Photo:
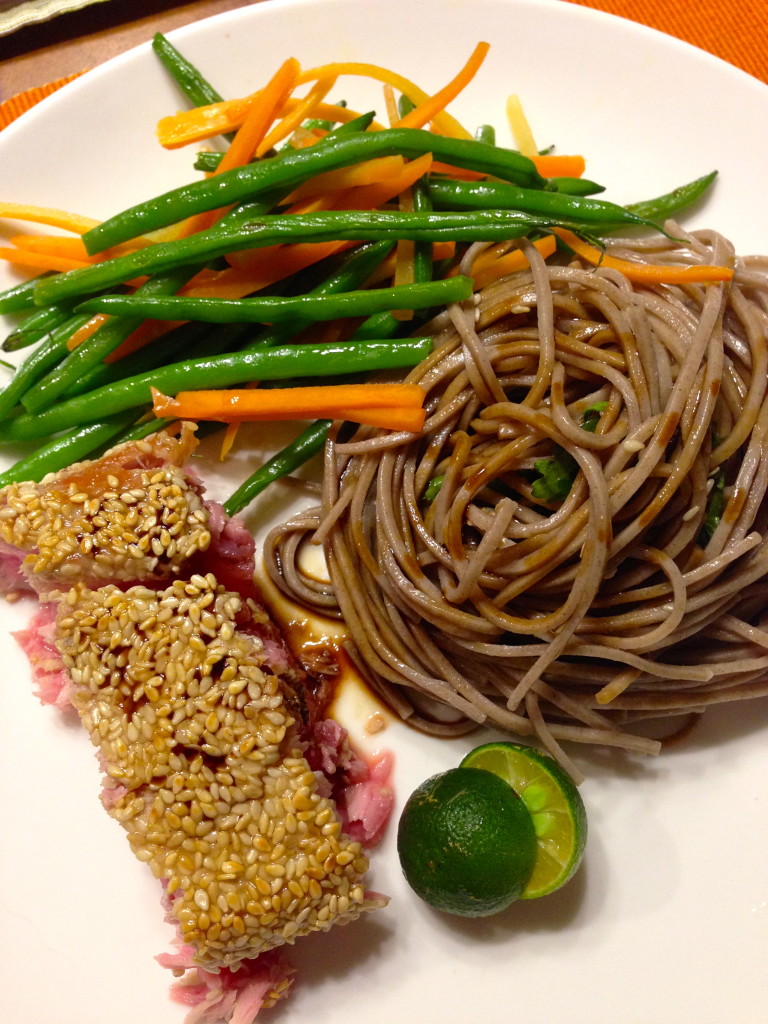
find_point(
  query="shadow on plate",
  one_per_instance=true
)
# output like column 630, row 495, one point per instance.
column 323, row 958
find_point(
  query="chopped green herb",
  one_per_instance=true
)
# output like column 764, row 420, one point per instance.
column 433, row 487
column 556, row 476
column 715, row 507
column 591, row 416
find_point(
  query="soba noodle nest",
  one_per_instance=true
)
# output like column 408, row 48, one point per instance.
column 568, row 618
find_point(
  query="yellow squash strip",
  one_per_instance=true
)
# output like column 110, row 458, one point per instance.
column 442, row 121
column 520, row 128
column 304, row 109
column 47, row 215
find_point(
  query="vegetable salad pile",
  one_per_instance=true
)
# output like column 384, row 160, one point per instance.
column 310, row 252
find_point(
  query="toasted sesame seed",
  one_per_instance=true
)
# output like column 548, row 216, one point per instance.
column 252, row 853
column 83, row 523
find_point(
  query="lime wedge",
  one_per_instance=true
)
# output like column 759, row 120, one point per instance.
column 554, row 802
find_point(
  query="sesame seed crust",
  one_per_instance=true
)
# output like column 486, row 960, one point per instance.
column 208, row 776
column 133, row 514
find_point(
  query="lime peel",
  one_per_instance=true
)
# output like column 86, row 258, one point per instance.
column 466, row 843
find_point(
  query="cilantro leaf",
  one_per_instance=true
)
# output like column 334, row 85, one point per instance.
column 715, row 507
column 433, row 487
column 556, row 475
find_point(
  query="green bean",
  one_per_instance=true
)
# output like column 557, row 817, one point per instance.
column 280, row 363
column 272, row 309
column 20, row 297
column 35, row 326
column 104, row 340
column 188, row 341
column 486, row 133
column 671, row 203
column 62, row 451
column 286, row 461
column 491, row 195
column 422, row 251
column 207, row 160
column 331, row 225
column 37, row 364
column 288, row 171
column 576, row 186
column 197, row 89
column 143, row 427
column 354, row 270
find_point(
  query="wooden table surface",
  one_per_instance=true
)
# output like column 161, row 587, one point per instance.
column 75, row 42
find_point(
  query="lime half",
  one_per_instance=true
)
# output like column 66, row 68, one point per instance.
column 555, row 805
column 466, row 843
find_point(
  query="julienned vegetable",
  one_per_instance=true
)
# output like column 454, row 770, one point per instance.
column 300, row 450
column 285, row 362
column 286, row 172
column 447, row 194
column 274, row 229
column 394, row 406
column 67, row 448
column 272, row 218
column 279, row 310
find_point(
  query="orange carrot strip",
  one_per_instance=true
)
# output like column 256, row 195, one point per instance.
column 206, row 122
column 261, row 114
column 644, row 273
column 73, row 248
column 40, row 260
column 443, row 120
column 89, row 328
column 230, row 435
column 276, row 263
column 53, row 245
column 304, row 108
column 389, row 419
column 486, row 270
column 366, row 173
column 552, row 165
column 464, row 173
column 47, row 215
column 429, row 109
column 286, row 403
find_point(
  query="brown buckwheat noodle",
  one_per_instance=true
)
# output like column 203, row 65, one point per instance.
column 627, row 596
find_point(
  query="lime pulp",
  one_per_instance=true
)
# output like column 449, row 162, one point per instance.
column 555, row 805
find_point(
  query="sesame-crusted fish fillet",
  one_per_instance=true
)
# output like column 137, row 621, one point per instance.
column 207, row 768
column 132, row 514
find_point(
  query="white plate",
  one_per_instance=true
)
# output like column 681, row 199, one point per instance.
column 668, row 920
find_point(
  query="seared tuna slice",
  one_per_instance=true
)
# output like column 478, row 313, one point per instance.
column 131, row 515
column 209, row 778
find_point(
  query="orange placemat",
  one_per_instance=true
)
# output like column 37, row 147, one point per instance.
column 19, row 104
column 735, row 30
